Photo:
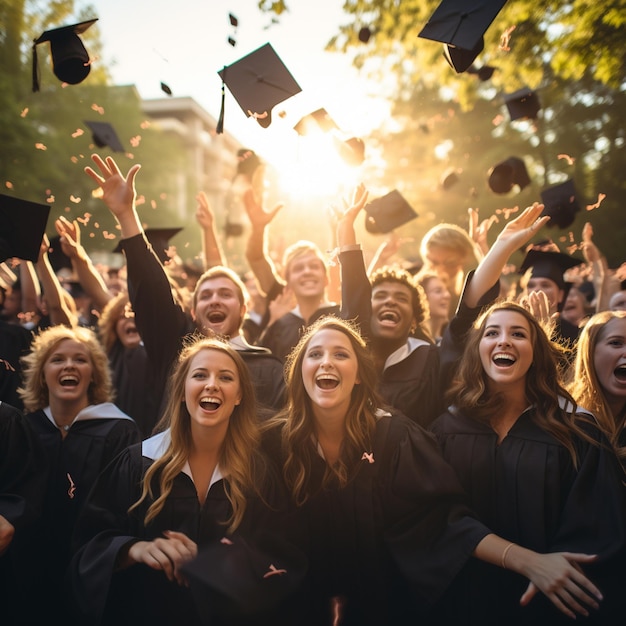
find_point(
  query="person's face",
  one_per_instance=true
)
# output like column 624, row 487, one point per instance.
column 549, row 287
column 618, row 301
column 68, row 372
column 506, row 350
column 218, row 308
column 329, row 371
column 212, row 390
column 609, row 360
column 12, row 303
column 438, row 297
column 126, row 330
column 445, row 261
column 392, row 311
column 573, row 308
column 307, row 276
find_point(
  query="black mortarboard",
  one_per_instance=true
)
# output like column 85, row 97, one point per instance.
column 104, row 134
column 259, row 81
column 233, row 20
column 522, row 104
column 364, row 34
column 317, row 120
column 165, row 88
column 388, row 212
column 159, row 239
column 560, row 204
column 551, row 265
column 449, row 178
column 504, row 175
column 240, row 577
column 22, row 227
column 351, row 150
column 460, row 25
column 70, row 59
column 484, row 73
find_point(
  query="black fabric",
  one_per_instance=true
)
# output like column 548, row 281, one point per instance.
column 390, row 541
column 527, row 490
column 15, row 343
column 163, row 326
column 139, row 595
column 73, row 464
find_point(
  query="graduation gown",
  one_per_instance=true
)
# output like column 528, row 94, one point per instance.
column 527, row 490
column 140, row 595
column 72, row 464
column 391, row 540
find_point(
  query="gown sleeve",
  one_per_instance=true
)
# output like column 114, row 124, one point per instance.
column 429, row 529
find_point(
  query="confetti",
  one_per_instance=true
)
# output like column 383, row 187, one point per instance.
column 505, row 39
column 97, row 109
column 273, row 572
column 107, row 235
column 8, row 184
column 50, row 199
column 40, row 146
column 153, row 204
column 497, row 120
column 78, row 132
column 74, row 199
column 163, row 195
column 135, row 141
column 570, row 160
column 591, row 207
column 74, row 159
column 24, row 112
column 145, row 124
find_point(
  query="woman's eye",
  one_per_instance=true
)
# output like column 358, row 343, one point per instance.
column 314, row 354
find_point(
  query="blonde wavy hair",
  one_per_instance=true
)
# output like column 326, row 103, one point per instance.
column 115, row 309
column 35, row 392
column 238, row 460
column 297, row 421
column 586, row 387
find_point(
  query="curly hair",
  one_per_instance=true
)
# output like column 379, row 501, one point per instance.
column 586, row 387
column 35, row 392
column 238, row 458
column 115, row 309
column 469, row 390
column 298, row 424
column 419, row 301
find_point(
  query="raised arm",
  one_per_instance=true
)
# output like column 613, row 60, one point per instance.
column 213, row 254
column 90, row 279
column 604, row 286
column 258, row 259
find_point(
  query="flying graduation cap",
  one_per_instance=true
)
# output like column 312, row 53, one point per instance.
column 22, row 227
column 522, row 104
column 483, row 73
column 318, row 120
column 561, row 204
column 387, row 213
column 460, row 26
column 506, row 174
column 70, row 59
column 103, row 134
column 258, row 82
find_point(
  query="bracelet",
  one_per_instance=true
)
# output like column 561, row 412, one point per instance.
column 504, row 553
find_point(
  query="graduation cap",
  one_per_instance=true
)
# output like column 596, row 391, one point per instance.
column 364, row 34
column 551, row 265
column 504, row 175
column 317, row 120
column 560, row 204
column 159, row 239
column 388, row 212
column 522, row 104
column 460, row 26
column 351, row 150
column 165, row 88
column 22, row 227
column 483, row 73
column 104, row 134
column 449, row 178
column 233, row 20
column 70, row 59
column 259, row 81
column 240, row 577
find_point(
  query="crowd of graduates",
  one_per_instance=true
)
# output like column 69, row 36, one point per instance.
column 356, row 442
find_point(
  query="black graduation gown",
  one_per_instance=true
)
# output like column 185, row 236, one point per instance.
column 390, row 541
column 139, row 594
column 527, row 490
column 15, row 341
column 163, row 326
column 97, row 435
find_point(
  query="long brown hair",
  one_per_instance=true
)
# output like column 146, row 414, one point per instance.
column 586, row 387
column 470, row 395
column 238, row 460
column 297, row 418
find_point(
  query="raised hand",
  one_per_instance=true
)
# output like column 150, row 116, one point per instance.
column 204, row 214
column 518, row 231
column 258, row 216
column 69, row 233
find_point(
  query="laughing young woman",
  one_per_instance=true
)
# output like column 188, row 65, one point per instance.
column 383, row 518
column 536, row 472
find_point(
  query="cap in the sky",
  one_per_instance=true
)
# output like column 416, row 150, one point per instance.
column 259, row 81
column 351, row 150
column 22, row 227
column 388, row 212
column 551, row 265
column 317, row 120
column 505, row 175
column 561, row 204
column 70, row 59
column 522, row 104
column 104, row 135
column 483, row 73
column 460, row 25
column 159, row 239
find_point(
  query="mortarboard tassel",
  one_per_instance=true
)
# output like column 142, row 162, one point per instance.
column 35, row 69
column 219, row 129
